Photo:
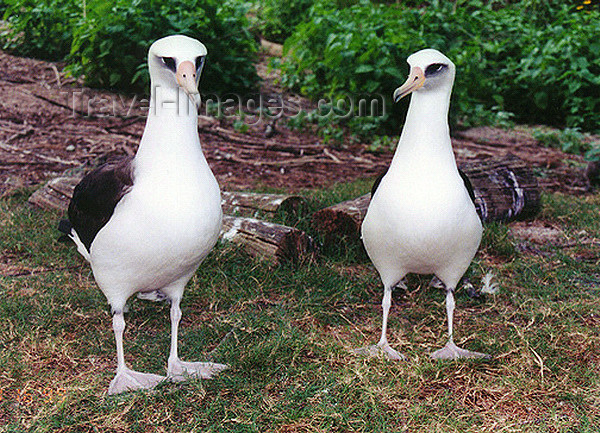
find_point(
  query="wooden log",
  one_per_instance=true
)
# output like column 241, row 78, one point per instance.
column 57, row 193
column 272, row 241
column 342, row 219
column 253, row 204
column 505, row 189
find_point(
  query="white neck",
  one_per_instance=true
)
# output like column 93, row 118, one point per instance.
column 426, row 135
column 172, row 104
column 171, row 132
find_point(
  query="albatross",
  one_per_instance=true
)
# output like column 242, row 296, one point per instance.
column 146, row 223
column 421, row 218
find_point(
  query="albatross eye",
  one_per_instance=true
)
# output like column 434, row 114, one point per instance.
column 435, row 68
column 169, row 62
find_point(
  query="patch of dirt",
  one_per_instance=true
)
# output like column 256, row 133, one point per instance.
column 538, row 232
column 50, row 123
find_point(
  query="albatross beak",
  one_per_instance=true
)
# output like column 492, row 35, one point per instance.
column 186, row 78
column 415, row 81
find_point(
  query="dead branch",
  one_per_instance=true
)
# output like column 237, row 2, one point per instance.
column 52, row 159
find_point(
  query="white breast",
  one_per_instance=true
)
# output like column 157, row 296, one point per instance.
column 421, row 224
column 161, row 230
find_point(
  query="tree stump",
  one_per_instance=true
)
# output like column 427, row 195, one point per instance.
column 272, row 241
column 504, row 189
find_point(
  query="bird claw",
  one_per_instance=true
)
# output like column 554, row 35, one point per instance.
column 452, row 351
column 378, row 350
column 130, row 380
column 180, row 371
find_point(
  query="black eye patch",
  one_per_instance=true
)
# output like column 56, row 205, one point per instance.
column 434, row 68
column 169, row 62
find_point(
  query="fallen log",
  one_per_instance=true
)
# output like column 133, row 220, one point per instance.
column 342, row 219
column 272, row 241
column 57, row 193
column 504, row 189
column 253, row 204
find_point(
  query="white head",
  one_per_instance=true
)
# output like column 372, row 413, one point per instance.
column 430, row 70
column 177, row 61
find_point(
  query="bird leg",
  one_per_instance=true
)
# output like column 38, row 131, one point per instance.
column 179, row 370
column 451, row 350
column 127, row 379
column 383, row 345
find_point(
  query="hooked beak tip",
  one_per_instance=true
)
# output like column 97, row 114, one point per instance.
column 397, row 95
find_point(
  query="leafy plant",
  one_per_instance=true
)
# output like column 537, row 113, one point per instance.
column 39, row 28
column 529, row 61
column 569, row 140
column 593, row 154
column 109, row 47
column 107, row 42
column 277, row 19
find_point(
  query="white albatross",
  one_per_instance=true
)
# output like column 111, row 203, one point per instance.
column 421, row 218
column 146, row 223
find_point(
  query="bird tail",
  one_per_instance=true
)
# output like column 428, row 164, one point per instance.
column 70, row 234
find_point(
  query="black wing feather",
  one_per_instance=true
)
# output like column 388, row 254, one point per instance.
column 95, row 197
column 468, row 185
column 377, row 182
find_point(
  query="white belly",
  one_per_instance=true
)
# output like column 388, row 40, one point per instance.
column 157, row 237
column 433, row 229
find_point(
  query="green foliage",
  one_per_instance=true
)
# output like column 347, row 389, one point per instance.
column 569, row 140
column 39, row 28
column 277, row 19
column 555, row 77
column 110, row 46
column 109, row 43
column 534, row 60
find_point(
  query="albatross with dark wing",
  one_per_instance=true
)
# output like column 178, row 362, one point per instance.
column 146, row 223
column 421, row 218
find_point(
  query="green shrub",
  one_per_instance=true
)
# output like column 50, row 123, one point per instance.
column 277, row 19
column 110, row 46
column 109, row 43
column 39, row 28
column 534, row 60
column 556, row 78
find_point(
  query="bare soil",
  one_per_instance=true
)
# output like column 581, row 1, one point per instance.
column 50, row 123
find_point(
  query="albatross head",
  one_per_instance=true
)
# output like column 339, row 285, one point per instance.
column 177, row 61
column 430, row 70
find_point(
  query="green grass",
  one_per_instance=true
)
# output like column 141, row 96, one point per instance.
column 287, row 333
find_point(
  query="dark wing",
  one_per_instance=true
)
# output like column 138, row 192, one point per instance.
column 95, row 197
column 377, row 182
column 468, row 184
